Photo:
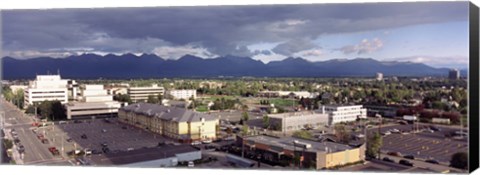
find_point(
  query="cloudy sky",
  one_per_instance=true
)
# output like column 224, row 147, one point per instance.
column 434, row 33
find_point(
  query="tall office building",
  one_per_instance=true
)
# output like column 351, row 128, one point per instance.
column 46, row 87
column 379, row 76
column 454, row 74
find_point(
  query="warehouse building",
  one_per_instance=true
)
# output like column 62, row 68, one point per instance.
column 176, row 123
column 318, row 155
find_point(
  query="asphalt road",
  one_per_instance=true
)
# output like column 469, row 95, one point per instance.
column 35, row 151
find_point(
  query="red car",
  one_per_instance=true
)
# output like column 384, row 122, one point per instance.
column 35, row 124
column 54, row 151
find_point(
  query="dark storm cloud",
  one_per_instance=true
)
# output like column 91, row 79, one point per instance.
column 220, row 30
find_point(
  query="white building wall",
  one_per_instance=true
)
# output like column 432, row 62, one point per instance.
column 338, row 114
column 183, row 94
column 167, row 162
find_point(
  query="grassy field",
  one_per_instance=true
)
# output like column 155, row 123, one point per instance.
column 202, row 108
column 281, row 102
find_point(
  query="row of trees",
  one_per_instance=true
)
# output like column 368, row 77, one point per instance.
column 17, row 97
column 50, row 110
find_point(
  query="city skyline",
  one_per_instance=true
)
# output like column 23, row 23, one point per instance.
column 433, row 33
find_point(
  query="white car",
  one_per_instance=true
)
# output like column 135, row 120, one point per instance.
column 88, row 152
column 395, row 130
column 190, row 164
column 206, row 141
column 196, row 143
column 386, row 133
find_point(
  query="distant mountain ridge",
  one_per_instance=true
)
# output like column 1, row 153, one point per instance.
column 91, row 66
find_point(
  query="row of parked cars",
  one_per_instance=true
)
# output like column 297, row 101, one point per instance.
column 16, row 140
column 406, row 162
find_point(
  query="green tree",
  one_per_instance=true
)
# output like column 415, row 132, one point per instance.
column 459, row 160
column 373, row 145
column 341, row 133
column 245, row 130
column 152, row 99
column 122, row 98
column 7, row 143
column 245, row 116
column 52, row 110
column 266, row 121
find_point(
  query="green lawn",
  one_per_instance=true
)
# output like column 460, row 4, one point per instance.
column 202, row 108
column 282, row 102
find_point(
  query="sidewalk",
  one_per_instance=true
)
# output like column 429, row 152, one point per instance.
column 15, row 154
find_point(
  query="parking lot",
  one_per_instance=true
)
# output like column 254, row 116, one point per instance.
column 423, row 144
column 117, row 136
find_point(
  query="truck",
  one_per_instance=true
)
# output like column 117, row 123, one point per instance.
column 409, row 118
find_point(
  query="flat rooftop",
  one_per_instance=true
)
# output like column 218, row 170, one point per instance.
column 287, row 143
column 296, row 114
column 141, row 155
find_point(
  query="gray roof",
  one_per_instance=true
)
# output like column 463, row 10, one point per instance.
column 167, row 113
column 141, row 155
column 287, row 143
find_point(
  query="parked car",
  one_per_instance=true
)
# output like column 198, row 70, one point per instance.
column 196, row 143
column 77, row 121
column 69, row 140
column 405, row 162
column 435, row 128
column 124, row 127
column 45, row 141
column 104, row 144
column 84, row 136
column 394, row 154
column 207, row 141
column 104, row 130
column 191, row 164
column 88, row 151
column 409, row 157
column 432, row 161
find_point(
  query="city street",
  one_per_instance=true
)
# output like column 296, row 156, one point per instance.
column 35, row 151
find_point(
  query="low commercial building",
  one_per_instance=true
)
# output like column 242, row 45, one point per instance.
column 384, row 111
column 164, row 156
column 292, row 94
column 343, row 113
column 140, row 94
column 318, row 155
column 92, row 101
column 177, row 123
column 294, row 121
column 182, row 94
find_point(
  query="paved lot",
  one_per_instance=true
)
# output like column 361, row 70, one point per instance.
column 115, row 137
column 423, row 145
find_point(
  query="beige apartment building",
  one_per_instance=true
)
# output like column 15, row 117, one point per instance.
column 176, row 123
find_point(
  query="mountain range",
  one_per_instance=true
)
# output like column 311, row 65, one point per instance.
column 92, row 66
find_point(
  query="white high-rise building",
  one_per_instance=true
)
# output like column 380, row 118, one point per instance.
column 141, row 93
column 93, row 101
column 182, row 94
column 343, row 113
column 46, row 87
column 379, row 76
